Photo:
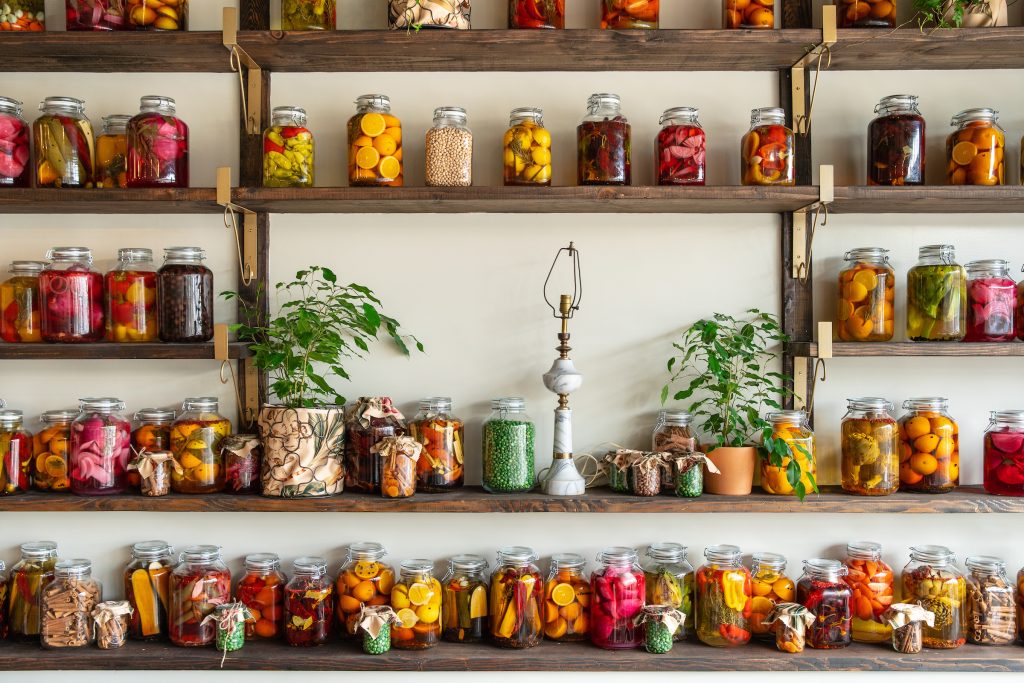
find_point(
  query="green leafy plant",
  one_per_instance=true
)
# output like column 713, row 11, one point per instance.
column 947, row 13
column 320, row 325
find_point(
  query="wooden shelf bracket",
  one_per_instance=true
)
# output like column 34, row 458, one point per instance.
column 250, row 75
column 821, row 56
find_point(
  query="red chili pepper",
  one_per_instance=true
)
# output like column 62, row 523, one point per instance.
column 271, row 146
column 291, row 131
column 532, row 9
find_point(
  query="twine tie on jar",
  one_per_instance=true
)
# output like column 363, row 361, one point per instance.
column 229, row 619
column 108, row 621
column 147, row 464
column 905, row 620
column 376, row 407
column 792, row 622
column 393, row 450
column 373, row 618
column 683, row 463
column 665, row 615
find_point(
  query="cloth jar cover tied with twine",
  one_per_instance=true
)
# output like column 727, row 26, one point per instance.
column 375, row 624
column 398, row 457
column 678, row 465
column 369, row 407
column 229, row 619
column 661, row 622
column 646, row 473
column 110, row 622
column 907, row 622
column 616, row 466
column 791, row 621
column 154, row 469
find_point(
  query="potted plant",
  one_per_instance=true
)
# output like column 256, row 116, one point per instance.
column 320, row 325
column 961, row 13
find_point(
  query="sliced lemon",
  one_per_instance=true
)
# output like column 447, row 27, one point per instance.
column 407, row 618
column 390, row 167
column 420, row 594
column 428, row 614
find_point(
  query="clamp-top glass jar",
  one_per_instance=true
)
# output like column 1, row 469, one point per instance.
column 309, row 15
column 67, row 604
column 449, row 149
column 1004, row 454
column 157, row 15
column 769, row 587
column 896, row 142
column 508, row 447
column 147, row 589
column 32, row 573
column 668, row 579
column 517, row 596
column 96, row 15
column 618, row 591
column 21, row 316
column 199, row 583
column 991, row 601
column 100, row 448
column 527, row 147
column 723, row 598
column 768, row 150
column 536, row 14
column 567, row 598
column 860, row 14
column 749, row 13
column 603, row 143
column 308, row 603
column 371, row 419
column 262, row 591
column 464, row 607
column 825, row 594
column 991, row 301
column 185, row 296
column 195, row 442
column 131, row 297
column 629, row 14
column 288, row 149
column 14, row 150
column 364, row 579
column 157, row 145
column 63, row 149
column 71, row 296
column 681, row 148
column 672, row 435
column 936, row 296
column 931, row 579
column 871, row 581
column 112, row 152
column 976, row 150
column 417, row 599
column 153, row 430
column 440, row 465
column 930, row 446
column 16, row 453
column 867, row 296
column 51, row 451
column 792, row 428
column 375, row 143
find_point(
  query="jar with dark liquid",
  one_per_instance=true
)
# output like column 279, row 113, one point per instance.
column 185, row 296
column 896, row 142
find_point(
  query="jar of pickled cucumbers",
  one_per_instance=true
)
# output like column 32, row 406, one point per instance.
column 262, row 591
column 157, row 145
column 449, row 149
column 32, row 573
column 860, row 14
column 871, row 581
column 1004, row 453
column 308, row 15
column 749, row 14
column 146, row 588
column 929, row 447
column 867, row 295
column 288, row 149
column 991, row 602
column 96, row 15
column 100, row 448
column 629, row 14
column 517, row 595
column 536, row 14
column 16, row 453
column 21, row 316
column 723, row 598
column 63, row 150
column 195, row 442
column 364, row 579
column 668, row 580
column 112, row 152
column 416, row 14
column 791, row 439
column 618, row 591
column 896, row 142
column 508, row 447
column 66, row 605
column 826, row 595
column 416, row 598
column 14, row 153
column 567, row 598
column 991, row 301
column 131, row 297
column 440, row 465
column 768, row 150
column 603, row 143
column 157, row 15
column 71, row 297
column 199, row 584
column 50, row 472
column 870, row 443
column 770, row 586
column 372, row 419
column 308, row 603
column 931, row 579
column 975, row 151
column 375, row 144
column 185, row 296
column 527, row 148
column 464, row 605
column 681, row 148
column 937, row 296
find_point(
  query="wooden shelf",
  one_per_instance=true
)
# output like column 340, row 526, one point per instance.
column 928, row 199
column 150, row 201
column 932, row 49
column 130, row 351
column 113, row 52
column 905, row 349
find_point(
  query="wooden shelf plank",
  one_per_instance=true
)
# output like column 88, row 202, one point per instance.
column 149, row 201
column 130, row 351
column 905, row 349
column 932, row 49
column 121, row 51
column 928, row 199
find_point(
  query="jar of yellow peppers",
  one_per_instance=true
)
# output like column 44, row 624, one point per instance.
column 527, row 148
column 288, row 150
column 791, row 438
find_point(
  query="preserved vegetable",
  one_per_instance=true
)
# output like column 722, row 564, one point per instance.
column 932, row 581
column 825, row 595
column 157, row 145
column 112, row 152
column 199, row 584
column 51, row 470
column 627, row 14
column 71, row 297
column 767, row 151
column 723, row 598
column 308, row 603
column 16, row 449
column 100, row 448
column 1004, row 453
column 936, row 296
column 517, row 595
column 308, row 15
column 63, row 144
column 681, row 148
column 536, row 13
column 29, row 576
column 131, row 297
column 991, row 301
column 464, row 607
column 527, row 148
column 288, row 150
column 14, row 145
column 196, row 437
column 871, row 581
column 896, row 142
column 603, row 142
column 147, row 589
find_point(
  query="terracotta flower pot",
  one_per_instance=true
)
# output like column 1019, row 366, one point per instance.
column 737, row 471
column 302, row 451
column 994, row 14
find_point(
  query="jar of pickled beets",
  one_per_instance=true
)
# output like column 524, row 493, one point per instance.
column 991, row 301
column 71, row 294
column 1004, row 453
column 681, row 148
column 100, row 446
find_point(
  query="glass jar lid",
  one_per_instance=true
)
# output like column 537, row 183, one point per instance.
column 824, row 568
column 869, row 403
column 149, row 550
column 456, row 113
column 864, row 550
column 567, row 561
column 262, row 561
column 511, row 403
column 157, row 103
column 200, row 553
column 155, row 415
column 103, row 404
column 417, row 566
column 75, row 567
column 468, row 563
column 985, row 564
column 722, row 553
column 689, row 113
column 184, row 254
column 978, row 114
column 993, row 267
column 681, row 418
column 773, row 115
column 926, row 403
column 10, row 417
column 516, row 554
column 604, row 99
column 58, row 416
column 31, row 268
column 134, row 254
column 310, row 565
column 772, row 561
column 436, row 404
column 1007, row 416
column 787, row 417
column 289, row 113
column 69, row 254
column 523, row 113
column 62, row 103
column 38, row 550
column 932, row 554
column 10, row 105
column 666, row 552
column 944, row 252
column 207, row 404
column 895, row 103
column 869, row 254
column 617, row 555
column 366, row 550
column 374, row 102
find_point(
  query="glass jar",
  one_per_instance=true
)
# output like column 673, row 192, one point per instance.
column 51, row 451
column 793, row 430
column 24, row 15
column 157, row 15
column 147, row 581
column 185, row 296
column 867, row 296
column 66, row 605
column 20, row 316
column 672, row 435
column 536, row 13
column 449, row 149
column 1019, row 313
column 157, row 145
column 416, row 598
column 768, row 150
column 262, row 591
column 603, row 143
column 112, row 152
column 243, row 455
column 308, row 15
column 825, row 594
column 567, row 598
column 96, row 15
column 508, row 447
column 871, row 581
column 131, row 297
column 375, row 144
column 1020, row 603
column 308, row 603
column 618, row 590
column 63, row 144
column 288, row 148
column 32, row 573
column 932, row 580
column 769, row 587
column 365, row 579
column 991, row 301
column 100, row 448
column 71, row 297
column 199, row 583
column 929, row 447
column 3, row 601
column 1004, row 453
column 896, row 142
column 629, row 14
column 440, row 466
column 412, row 15
column 936, row 296
column 749, row 14
column 668, row 579
column 975, row 151
column 681, row 148
column 153, row 430
column 517, row 596
column 723, row 598
column 196, row 436
column 861, row 14
column 527, row 147
column 464, row 606
column 16, row 453
column 14, row 145
column 371, row 420
column 991, row 603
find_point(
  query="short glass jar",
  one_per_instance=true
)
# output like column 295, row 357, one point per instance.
column 449, row 149
column 465, row 601
column 364, row 579
column 536, row 14
column 681, row 148
column 185, row 296
column 416, row 597
column 366, row 424
column 71, row 297
column 673, row 435
column 527, row 147
column 29, row 576
column 991, row 602
column 871, row 581
column 1004, row 453
column 100, row 448
column 63, row 149
column 517, row 597
column 440, row 465
column 792, row 429
column 375, row 144
column 929, row 446
column 603, row 143
column 288, row 148
column 157, row 145
column 52, row 442
column 97, row 15
column 199, row 583
column 629, row 14
column 112, row 152
column 618, row 589
column 937, row 296
column 152, row 430
column 861, row 14
column 20, row 309
column 131, row 297
column 67, row 604
column 147, row 589
column 749, row 14
column 991, row 301
column 413, row 15
column 196, row 436
column 931, row 579
column 508, row 447
column 723, row 592
column 668, row 581
column 243, row 457
column 16, row 453
column 867, row 296
column 309, row 15
column 308, row 603
column 14, row 145
column 768, row 150
column 769, row 587
column 146, row 15
column 826, row 595
column 976, row 150
column 567, row 598
column 262, row 591
column 896, row 142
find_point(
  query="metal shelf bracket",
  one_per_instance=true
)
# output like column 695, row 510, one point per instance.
column 803, row 230
column 250, row 75
column 247, row 241
column 820, row 56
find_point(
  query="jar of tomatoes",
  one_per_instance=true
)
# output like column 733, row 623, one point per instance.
column 723, row 598
column 618, row 590
column 147, row 588
column 629, row 14
column 100, row 448
column 936, row 296
column 157, row 15
column 95, row 15
column 66, row 605
column 603, row 143
column 20, row 314
column 308, row 603
column 14, row 153
column 185, row 296
column 517, row 594
column 567, row 599
column 931, row 579
column 668, row 581
column 364, row 579
column 861, row 14
column 536, row 13
column 112, row 152
column 929, row 447
column 749, row 13
column 527, row 148
column 199, row 583
column 370, row 420
column 1004, row 453
column 896, row 142
column 681, row 148
column 768, row 150
column 417, row 600
column 976, row 150
column 375, row 143
column 769, row 586
column 871, row 581
column 991, row 601
column 825, row 594
column 867, row 296
column 288, row 148
column 51, row 451
column 791, row 439
column 440, row 466
column 157, row 145
column 991, row 301
column 262, row 591
column 32, row 573
column 71, row 296
column 464, row 604
column 16, row 448
column 63, row 144
column 131, row 297
column 308, row 15
column 196, row 436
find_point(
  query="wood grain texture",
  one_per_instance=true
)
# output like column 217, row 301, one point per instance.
column 254, row 15
column 908, row 349
column 121, row 51
column 148, row 201
column 929, row 199
column 153, row 351
column 929, row 49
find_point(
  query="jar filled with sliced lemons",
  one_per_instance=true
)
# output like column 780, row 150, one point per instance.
column 929, row 446
column 416, row 598
column 867, row 296
column 195, row 443
column 527, row 148
column 364, row 579
column 975, row 151
column 374, row 144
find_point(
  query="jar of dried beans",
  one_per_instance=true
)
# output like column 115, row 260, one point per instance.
column 449, row 149
column 683, row 476
column 603, row 143
column 185, row 296
column 71, row 296
column 67, row 603
column 896, row 142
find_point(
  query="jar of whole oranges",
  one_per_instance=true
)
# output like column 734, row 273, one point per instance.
column 364, row 579
column 867, row 296
column 770, row 586
column 791, row 439
column 749, row 13
column 870, row 446
column 929, row 447
column 374, row 143
column 975, row 151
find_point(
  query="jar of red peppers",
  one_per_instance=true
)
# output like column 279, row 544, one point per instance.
column 536, row 13
column 991, row 301
column 825, row 594
column 867, row 14
column 375, row 144
column 517, row 594
column 929, row 447
column 618, row 592
column 768, row 150
column 976, row 150
column 527, row 146
column 32, row 573
column 1004, row 453
column 147, row 581
column 112, row 152
column 603, row 143
column 157, row 145
column 262, row 591
column 369, row 421
column 364, row 579
column 723, row 598
column 931, row 579
column 63, row 151
column 464, row 605
column 100, row 448
column 288, row 150
column 50, row 472
column 440, row 466
column 20, row 316
column 770, row 586
column 15, row 453
column 629, row 14
column 567, row 597
column 196, row 437
column 242, row 454
column 14, row 145
column 96, row 15
column 681, row 148
column 749, row 13
column 199, row 583
column 416, row 598
column 867, row 295
column 871, row 581
column 131, row 297
column 896, row 142
column 157, row 15
column 185, row 296
column 71, row 296
column 308, row 603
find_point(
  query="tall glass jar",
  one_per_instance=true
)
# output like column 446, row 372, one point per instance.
column 63, row 150
column 860, row 14
column 20, row 314
column 157, row 145
column 410, row 15
column 71, row 297
column 32, row 573
column 417, row 599
column 185, row 296
column 527, row 146
column 749, row 13
column 262, row 591
column 288, row 148
column 931, row 579
column 976, row 150
column 794, row 431
column 681, row 148
column 195, row 442
column 16, row 453
column 936, row 296
column 825, row 594
column 929, row 447
column 896, row 142
column 723, row 598
column 618, row 591
column 371, row 420
column 629, row 14
column 517, row 597
column 364, row 579
column 14, row 145
column 112, row 152
column 199, row 583
column 50, row 472
column 440, row 466
column 449, row 149
column 157, row 15
column 1004, row 453
column 100, row 448
column 672, row 433
column 131, row 297
column 991, row 301
column 96, row 15
column 603, row 143
column 375, row 144
column 536, row 13
column 867, row 296
column 769, row 587
column 991, row 602
column 871, row 581
column 147, row 580
column 508, row 447
column 668, row 579
column 768, row 150
column 464, row 605
column 1020, row 603
column 67, row 604
column 567, row 597
column 308, row 603
column 309, row 15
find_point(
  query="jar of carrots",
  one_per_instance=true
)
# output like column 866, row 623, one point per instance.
column 871, row 581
